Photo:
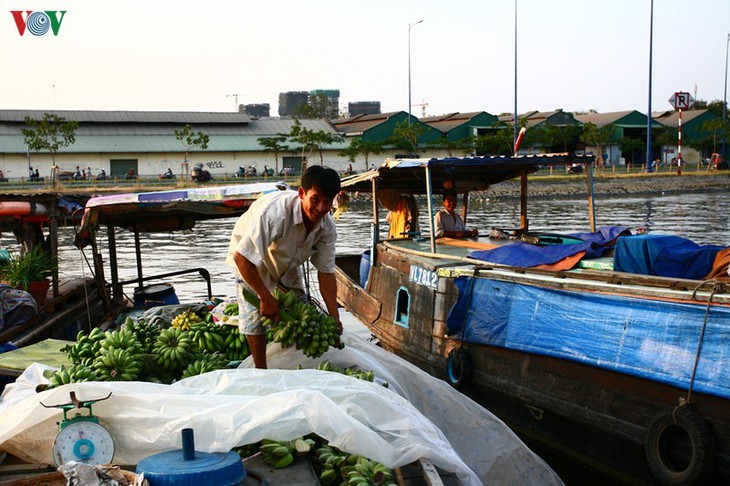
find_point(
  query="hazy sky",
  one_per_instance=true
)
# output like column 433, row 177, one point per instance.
column 191, row 55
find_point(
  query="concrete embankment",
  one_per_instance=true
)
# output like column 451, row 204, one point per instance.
column 614, row 185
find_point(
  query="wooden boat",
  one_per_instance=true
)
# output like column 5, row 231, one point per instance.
column 158, row 211
column 65, row 305
column 625, row 372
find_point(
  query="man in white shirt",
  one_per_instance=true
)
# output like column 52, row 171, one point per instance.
column 279, row 232
column 448, row 223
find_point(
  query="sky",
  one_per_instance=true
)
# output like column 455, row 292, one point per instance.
column 183, row 55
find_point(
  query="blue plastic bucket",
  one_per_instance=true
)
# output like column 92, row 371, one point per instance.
column 364, row 268
column 154, row 295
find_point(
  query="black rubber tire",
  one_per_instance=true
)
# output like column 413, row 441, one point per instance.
column 681, row 447
column 459, row 367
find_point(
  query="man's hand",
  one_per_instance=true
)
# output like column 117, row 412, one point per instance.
column 269, row 307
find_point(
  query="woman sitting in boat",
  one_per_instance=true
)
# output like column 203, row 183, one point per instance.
column 403, row 215
column 448, row 223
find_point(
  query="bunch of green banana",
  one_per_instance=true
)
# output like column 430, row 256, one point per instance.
column 276, row 453
column 118, row 364
column 328, row 456
column 174, row 349
column 185, row 319
column 366, row 472
column 236, row 346
column 72, row 374
column 231, row 309
column 122, row 339
column 354, row 372
column 86, row 347
column 146, row 333
column 204, row 363
column 303, row 326
column 208, row 337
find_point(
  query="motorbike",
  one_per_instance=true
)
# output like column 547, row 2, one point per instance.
column 167, row 175
column 198, row 174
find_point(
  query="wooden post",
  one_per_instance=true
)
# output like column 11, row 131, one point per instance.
column 524, row 222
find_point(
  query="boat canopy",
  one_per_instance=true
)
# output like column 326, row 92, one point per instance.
column 161, row 210
column 457, row 174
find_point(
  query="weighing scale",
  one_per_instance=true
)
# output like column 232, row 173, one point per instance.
column 81, row 438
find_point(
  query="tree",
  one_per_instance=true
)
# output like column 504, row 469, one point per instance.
column 191, row 139
column 598, row 137
column 274, row 145
column 311, row 140
column 713, row 128
column 359, row 146
column 50, row 133
column 562, row 136
column 405, row 136
column 465, row 144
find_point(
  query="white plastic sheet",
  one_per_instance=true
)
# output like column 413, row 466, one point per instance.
column 234, row 407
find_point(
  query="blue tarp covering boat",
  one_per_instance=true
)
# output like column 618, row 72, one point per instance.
column 652, row 339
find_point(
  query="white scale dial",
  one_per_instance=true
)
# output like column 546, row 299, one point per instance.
column 83, row 441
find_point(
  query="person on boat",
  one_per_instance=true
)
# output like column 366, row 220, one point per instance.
column 278, row 233
column 403, row 215
column 448, row 223
column 16, row 307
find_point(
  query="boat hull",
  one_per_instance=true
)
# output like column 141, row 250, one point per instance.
column 601, row 417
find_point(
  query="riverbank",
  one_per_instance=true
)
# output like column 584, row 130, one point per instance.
column 614, row 185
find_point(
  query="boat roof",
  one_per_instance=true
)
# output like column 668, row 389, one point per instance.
column 141, row 210
column 460, row 174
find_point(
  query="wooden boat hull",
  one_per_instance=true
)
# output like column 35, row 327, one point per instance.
column 600, row 417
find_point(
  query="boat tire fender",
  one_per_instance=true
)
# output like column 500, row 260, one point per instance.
column 459, row 367
column 683, row 423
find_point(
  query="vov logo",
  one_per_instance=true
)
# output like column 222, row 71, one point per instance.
column 39, row 22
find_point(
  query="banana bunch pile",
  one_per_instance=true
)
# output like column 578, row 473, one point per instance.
column 231, row 309
column 145, row 352
column 184, row 320
column 350, row 469
column 303, row 326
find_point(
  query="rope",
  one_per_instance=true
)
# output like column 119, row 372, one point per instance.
column 84, row 258
column 716, row 286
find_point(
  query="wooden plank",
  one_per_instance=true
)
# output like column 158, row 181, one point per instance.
column 430, row 474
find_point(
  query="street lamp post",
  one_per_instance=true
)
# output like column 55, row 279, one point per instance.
column 724, row 104
column 410, row 26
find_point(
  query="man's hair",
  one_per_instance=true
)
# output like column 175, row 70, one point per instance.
column 323, row 178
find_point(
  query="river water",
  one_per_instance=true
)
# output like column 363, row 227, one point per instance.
column 703, row 218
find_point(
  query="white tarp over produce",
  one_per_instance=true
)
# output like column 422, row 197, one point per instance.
column 229, row 408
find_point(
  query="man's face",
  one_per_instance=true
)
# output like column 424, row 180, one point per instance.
column 450, row 203
column 315, row 205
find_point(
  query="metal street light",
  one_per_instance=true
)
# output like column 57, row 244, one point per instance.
column 724, row 104
column 410, row 26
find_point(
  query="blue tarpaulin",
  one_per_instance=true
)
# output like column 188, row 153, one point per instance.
column 664, row 255
column 521, row 254
column 647, row 338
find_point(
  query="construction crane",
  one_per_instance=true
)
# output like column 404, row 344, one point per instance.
column 235, row 98
column 423, row 106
